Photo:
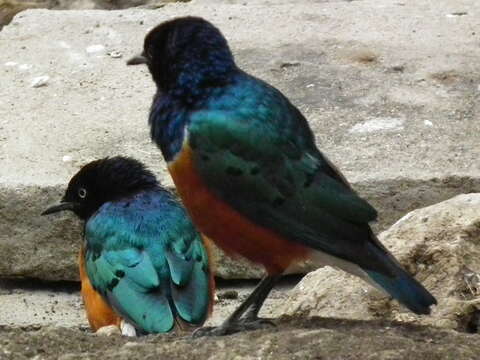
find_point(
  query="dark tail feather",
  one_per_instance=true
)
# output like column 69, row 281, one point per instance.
column 398, row 283
column 404, row 288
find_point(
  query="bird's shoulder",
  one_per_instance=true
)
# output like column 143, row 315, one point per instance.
column 138, row 221
column 251, row 114
column 248, row 97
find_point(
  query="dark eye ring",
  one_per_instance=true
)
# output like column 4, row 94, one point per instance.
column 82, row 193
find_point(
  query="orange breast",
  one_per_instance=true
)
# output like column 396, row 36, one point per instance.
column 230, row 230
column 99, row 313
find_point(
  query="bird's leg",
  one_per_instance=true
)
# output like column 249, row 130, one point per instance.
column 255, row 299
column 251, row 315
column 235, row 322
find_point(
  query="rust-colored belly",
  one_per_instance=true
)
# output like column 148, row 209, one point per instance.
column 99, row 313
column 230, row 230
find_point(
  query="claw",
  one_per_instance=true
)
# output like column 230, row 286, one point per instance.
column 234, row 327
column 210, row 331
column 257, row 323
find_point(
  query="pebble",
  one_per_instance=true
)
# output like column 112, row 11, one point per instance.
column 95, row 49
column 115, row 54
column 228, row 294
column 398, row 68
column 457, row 13
column 64, row 45
column 109, row 330
column 287, row 64
column 24, row 67
column 10, row 63
column 378, row 124
column 40, row 81
column 66, row 158
column 131, row 344
column 428, row 123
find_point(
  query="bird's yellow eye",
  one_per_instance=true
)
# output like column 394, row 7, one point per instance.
column 82, row 193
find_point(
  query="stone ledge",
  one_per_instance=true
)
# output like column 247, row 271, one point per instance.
column 33, row 246
column 392, row 99
column 311, row 338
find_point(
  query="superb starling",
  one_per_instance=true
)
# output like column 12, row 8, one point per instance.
column 245, row 163
column 143, row 265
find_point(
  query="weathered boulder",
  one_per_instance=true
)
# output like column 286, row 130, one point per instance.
column 439, row 244
column 392, row 98
column 31, row 247
column 9, row 8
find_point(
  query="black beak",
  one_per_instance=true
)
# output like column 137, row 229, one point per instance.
column 60, row 207
column 138, row 59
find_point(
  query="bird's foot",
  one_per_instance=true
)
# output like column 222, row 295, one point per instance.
column 229, row 328
column 259, row 323
column 127, row 329
column 211, row 331
column 109, row 330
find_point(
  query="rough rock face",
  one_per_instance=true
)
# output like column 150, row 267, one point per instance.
column 439, row 244
column 9, row 8
column 291, row 340
column 392, row 99
column 52, row 249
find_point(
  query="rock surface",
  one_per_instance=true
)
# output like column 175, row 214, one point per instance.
column 9, row 8
column 439, row 244
column 58, row 304
column 391, row 90
column 291, row 340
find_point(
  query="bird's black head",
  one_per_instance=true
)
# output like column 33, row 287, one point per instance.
column 185, row 54
column 101, row 181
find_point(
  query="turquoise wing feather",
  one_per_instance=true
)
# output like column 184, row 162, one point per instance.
column 147, row 260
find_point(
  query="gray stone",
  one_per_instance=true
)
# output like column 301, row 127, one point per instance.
column 30, row 246
column 227, row 267
column 31, row 303
column 439, row 244
column 59, row 304
column 406, row 76
column 294, row 339
column 9, row 8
